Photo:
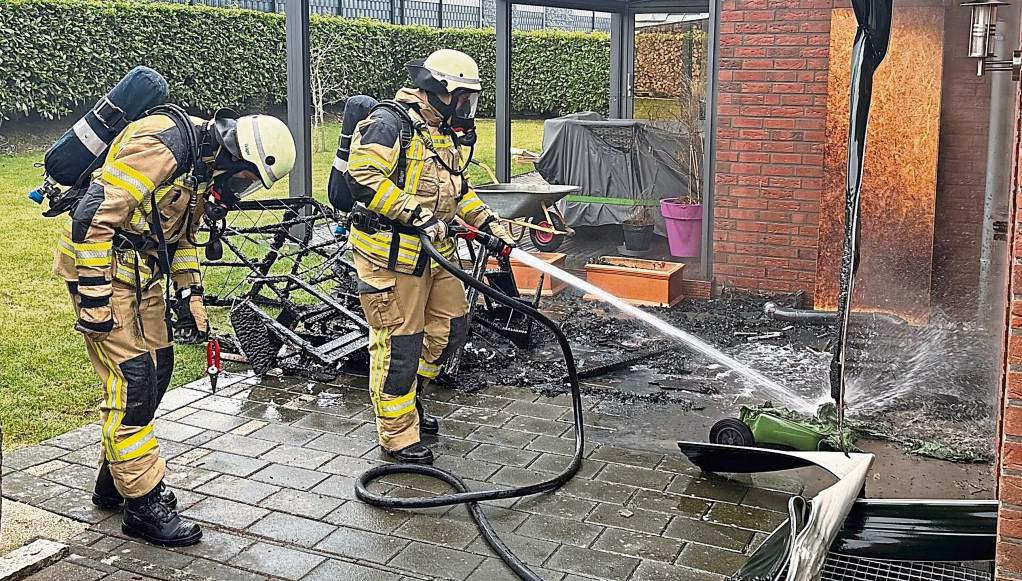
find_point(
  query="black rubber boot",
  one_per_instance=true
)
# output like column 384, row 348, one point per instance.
column 427, row 424
column 105, row 494
column 414, row 454
column 149, row 519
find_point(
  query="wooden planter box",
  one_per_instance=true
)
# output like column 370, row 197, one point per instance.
column 647, row 283
column 527, row 277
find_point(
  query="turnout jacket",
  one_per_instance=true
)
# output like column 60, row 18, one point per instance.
column 428, row 188
column 142, row 161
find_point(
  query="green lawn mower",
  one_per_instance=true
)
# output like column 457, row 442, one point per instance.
column 771, row 427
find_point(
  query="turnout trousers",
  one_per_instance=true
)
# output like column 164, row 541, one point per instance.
column 134, row 364
column 416, row 324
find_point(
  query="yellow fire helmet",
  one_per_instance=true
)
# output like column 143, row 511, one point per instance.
column 266, row 142
column 452, row 69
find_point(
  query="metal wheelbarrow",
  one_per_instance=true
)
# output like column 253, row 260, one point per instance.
column 530, row 207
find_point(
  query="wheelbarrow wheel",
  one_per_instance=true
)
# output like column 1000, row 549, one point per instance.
column 732, row 432
column 545, row 241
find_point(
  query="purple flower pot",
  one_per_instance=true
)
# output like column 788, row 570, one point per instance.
column 684, row 224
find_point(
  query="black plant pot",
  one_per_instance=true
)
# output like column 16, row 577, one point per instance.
column 638, row 237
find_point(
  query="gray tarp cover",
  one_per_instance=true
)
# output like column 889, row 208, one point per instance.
column 618, row 161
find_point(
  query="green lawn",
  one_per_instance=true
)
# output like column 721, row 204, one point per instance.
column 47, row 385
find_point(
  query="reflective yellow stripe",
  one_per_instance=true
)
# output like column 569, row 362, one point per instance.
column 415, row 165
column 428, row 370
column 364, row 162
column 386, row 194
column 367, row 156
column 381, row 247
column 65, row 245
column 442, row 141
column 185, row 259
column 137, row 444
column 94, row 254
column 113, row 394
column 468, row 204
column 114, row 179
column 380, row 341
column 397, row 407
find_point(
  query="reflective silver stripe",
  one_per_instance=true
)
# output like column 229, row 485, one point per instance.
column 142, row 189
column 259, row 149
column 149, row 437
column 88, row 137
column 340, row 165
column 93, row 253
column 453, row 77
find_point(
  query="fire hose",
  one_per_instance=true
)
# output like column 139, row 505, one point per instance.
column 462, row 494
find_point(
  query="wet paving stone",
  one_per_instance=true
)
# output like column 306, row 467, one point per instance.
column 592, row 563
column 563, row 446
column 237, row 489
column 437, row 562
column 241, row 445
column 634, row 519
column 343, row 445
column 90, row 455
column 556, row 505
column 549, row 428
column 626, row 456
column 485, row 417
column 535, row 552
column 360, row 515
column 698, row 531
column 672, row 504
column 496, row 570
column 327, row 423
column 306, row 504
column 560, row 530
column 510, row 438
column 265, row 412
column 767, row 499
column 444, row 531
column 32, row 456
column 187, row 477
column 342, row 487
column 228, row 463
column 343, row 571
column 502, row 455
column 358, row 544
column 654, row 571
column 597, row 491
column 634, row 476
column 290, row 529
column 711, row 559
column 711, row 488
column 66, row 571
column 213, row 420
column 228, row 513
column 176, row 431
column 448, row 445
column 74, row 476
column 285, row 434
column 350, row 467
column 512, row 476
column 289, row 476
column 746, row 517
column 639, row 545
column 535, row 410
column 450, row 429
column 298, row 457
column 278, row 561
column 678, row 464
column 217, row 545
column 513, row 392
column 202, row 438
column 555, row 463
column 218, row 571
column 466, row 468
column 180, row 397
column 76, row 505
column 152, row 554
column 23, row 487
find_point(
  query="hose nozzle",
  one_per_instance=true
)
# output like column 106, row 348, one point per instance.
column 495, row 245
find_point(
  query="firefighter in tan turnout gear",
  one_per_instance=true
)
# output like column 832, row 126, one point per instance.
column 405, row 170
column 116, row 256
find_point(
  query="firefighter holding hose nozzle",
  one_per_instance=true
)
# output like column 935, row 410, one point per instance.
column 132, row 236
column 407, row 173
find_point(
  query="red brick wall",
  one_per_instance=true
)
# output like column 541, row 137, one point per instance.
column 961, row 171
column 770, row 138
column 1009, row 469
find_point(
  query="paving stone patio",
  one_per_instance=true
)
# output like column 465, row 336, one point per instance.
column 267, row 465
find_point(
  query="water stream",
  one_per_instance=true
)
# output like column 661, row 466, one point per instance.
column 771, row 390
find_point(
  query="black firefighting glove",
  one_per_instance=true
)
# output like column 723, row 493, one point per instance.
column 95, row 322
column 191, row 323
column 493, row 225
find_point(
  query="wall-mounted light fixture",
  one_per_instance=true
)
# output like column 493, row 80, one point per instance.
column 981, row 37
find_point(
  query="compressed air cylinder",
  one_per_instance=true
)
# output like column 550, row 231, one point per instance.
column 356, row 109
column 76, row 150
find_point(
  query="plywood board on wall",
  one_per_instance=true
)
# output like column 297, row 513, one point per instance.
column 900, row 178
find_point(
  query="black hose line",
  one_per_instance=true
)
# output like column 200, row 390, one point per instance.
column 463, row 495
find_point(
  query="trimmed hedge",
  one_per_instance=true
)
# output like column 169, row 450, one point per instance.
column 57, row 55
